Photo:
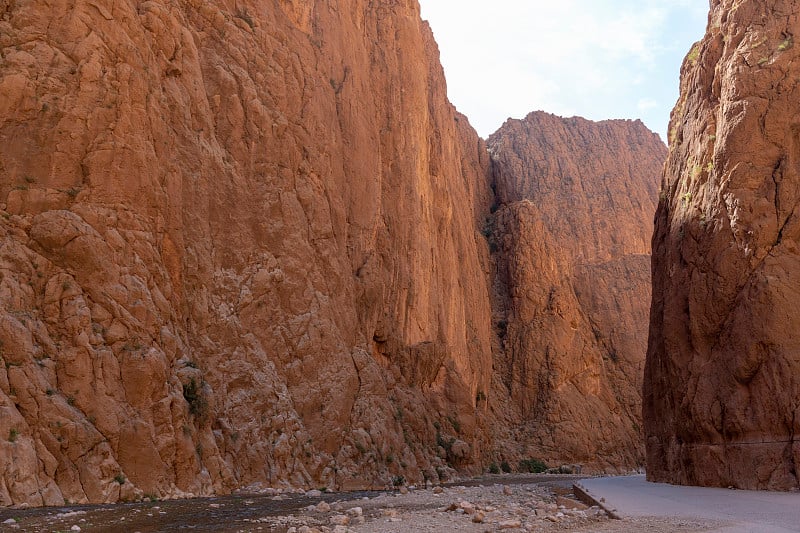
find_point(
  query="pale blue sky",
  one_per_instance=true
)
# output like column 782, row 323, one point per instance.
column 594, row 58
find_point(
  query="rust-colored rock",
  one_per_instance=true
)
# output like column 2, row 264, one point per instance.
column 242, row 246
column 722, row 380
column 238, row 245
column 572, row 240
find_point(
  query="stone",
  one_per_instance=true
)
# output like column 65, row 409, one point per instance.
column 355, row 511
column 210, row 211
column 323, row 507
column 340, row 520
column 467, row 507
column 438, row 490
column 722, row 376
column 510, row 524
column 571, row 234
column 314, row 493
column 479, row 517
column 507, row 490
column 163, row 260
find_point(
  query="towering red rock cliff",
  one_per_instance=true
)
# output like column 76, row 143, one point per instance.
column 722, row 380
column 239, row 243
column 572, row 292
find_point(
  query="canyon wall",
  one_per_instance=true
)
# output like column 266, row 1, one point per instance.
column 571, row 234
column 722, row 379
column 240, row 242
column 251, row 243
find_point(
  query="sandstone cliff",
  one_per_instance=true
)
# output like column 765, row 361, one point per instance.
column 239, row 243
column 572, row 287
column 722, row 381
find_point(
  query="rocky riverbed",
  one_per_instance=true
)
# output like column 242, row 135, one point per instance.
column 491, row 504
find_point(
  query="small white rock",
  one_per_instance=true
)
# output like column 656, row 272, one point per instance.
column 75, row 528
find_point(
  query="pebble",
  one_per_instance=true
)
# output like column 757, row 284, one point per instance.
column 438, row 490
column 478, row 517
column 510, row 524
column 323, row 507
column 355, row 511
column 75, row 528
column 507, row 490
column 340, row 520
column 10, row 521
column 314, row 493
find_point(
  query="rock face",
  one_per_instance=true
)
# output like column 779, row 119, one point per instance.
column 245, row 246
column 722, row 381
column 571, row 235
column 237, row 245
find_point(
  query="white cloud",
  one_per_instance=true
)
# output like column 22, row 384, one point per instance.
column 645, row 104
column 597, row 58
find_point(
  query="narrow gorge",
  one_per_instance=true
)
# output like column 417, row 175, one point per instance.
column 253, row 244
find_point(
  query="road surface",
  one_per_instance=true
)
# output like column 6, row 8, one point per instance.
column 744, row 511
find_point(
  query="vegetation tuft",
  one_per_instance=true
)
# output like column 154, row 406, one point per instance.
column 533, row 466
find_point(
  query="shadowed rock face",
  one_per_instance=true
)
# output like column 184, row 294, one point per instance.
column 722, row 380
column 236, row 245
column 572, row 241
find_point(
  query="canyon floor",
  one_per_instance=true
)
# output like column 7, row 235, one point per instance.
column 488, row 504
